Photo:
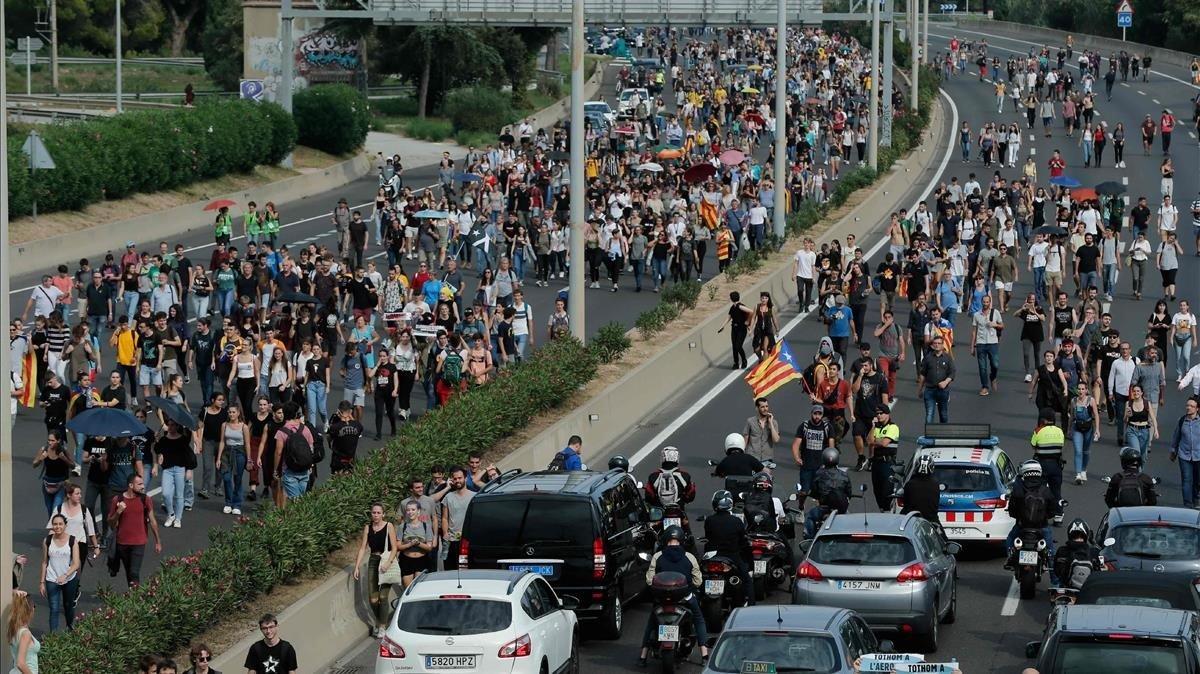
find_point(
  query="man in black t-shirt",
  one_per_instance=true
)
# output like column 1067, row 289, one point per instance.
column 1139, row 216
column 344, row 433
column 113, row 395
column 201, row 348
column 94, row 450
column 1087, row 265
column 272, row 655
column 54, row 398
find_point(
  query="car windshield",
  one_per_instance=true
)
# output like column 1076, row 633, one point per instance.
column 1121, row 600
column 1153, row 541
column 963, row 479
column 530, row 521
column 1112, row 657
column 862, row 550
column 790, row 652
column 453, row 617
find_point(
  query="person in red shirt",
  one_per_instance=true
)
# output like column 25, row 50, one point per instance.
column 1148, row 128
column 131, row 514
column 1057, row 164
column 1166, row 124
column 419, row 279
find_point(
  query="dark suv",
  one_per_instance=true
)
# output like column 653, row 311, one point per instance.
column 1118, row 639
column 585, row 531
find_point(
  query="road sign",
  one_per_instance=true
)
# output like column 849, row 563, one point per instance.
column 29, row 43
column 252, row 89
column 1125, row 7
column 22, row 58
column 35, row 149
column 1124, row 20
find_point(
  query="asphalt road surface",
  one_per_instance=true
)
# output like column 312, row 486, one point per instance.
column 993, row 624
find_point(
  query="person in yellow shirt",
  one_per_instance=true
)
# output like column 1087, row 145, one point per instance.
column 124, row 340
column 591, row 168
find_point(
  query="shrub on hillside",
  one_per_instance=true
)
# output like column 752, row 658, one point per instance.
column 331, row 117
column 478, row 109
column 283, row 132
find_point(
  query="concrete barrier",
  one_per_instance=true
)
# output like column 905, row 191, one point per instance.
column 1055, row 38
column 44, row 254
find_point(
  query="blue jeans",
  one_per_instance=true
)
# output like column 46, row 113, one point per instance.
column 1089, row 279
column 96, row 325
column 224, row 301
column 206, row 376
column 317, row 398
column 131, row 305
column 1183, row 356
column 1087, row 153
column 1083, row 447
column 62, row 599
column 231, row 474
column 174, row 488
column 939, row 399
column 522, row 345
column 659, row 270
column 638, row 265
column 53, row 500
column 1110, row 275
column 1139, row 439
column 966, row 151
column 1189, row 478
column 518, row 261
column 988, row 357
column 294, row 484
column 1039, row 282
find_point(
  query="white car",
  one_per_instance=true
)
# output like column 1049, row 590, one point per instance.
column 487, row 621
column 601, row 108
column 625, row 102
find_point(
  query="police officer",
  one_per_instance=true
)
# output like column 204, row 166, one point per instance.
column 922, row 494
column 831, row 489
column 673, row 557
column 1032, row 485
column 884, row 440
column 1079, row 547
column 737, row 461
column 725, row 534
column 813, row 436
column 1047, row 442
column 1130, row 487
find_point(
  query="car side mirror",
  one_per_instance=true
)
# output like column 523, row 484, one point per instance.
column 805, row 546
column 953, row 548
column 886, row 646
column 1109, row 542
column 568, row 602
column 1032, row 649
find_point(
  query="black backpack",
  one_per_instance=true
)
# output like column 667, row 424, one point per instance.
column 1034, row 509
column 559, row 462
column 758, row 503
column 298, row 453
column 1129, row 492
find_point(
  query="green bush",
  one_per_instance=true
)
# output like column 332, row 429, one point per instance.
column 478, row 109
column 331, row 117
column 192, row 593
column 399, row 106
column 148, row 151
column 435, row 130
column 684, row 295
column 610, row 342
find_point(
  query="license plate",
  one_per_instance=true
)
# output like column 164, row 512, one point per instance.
column 957, row 531
column 449, row 662
column 669, row 522
column 1028, row 557
column 714, row 587
column 668, row 632
column 542, row 569
column 760, row 567
column 860, row 585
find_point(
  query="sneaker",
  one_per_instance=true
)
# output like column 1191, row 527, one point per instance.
column 202, row 495
column 187, row 508
column 1078, row 478
column 178, row 524
column 562, row 274
column 187, row 379
column 251, row 495
column 862, row 461
column 133, row 402
column 226, row 510
column 1083, row 476
column 77, row 470
column 237, row 511
column 1028, row 378
column 170, row 522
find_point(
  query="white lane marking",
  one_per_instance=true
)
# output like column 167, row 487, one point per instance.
column 1012, row 599
column 1141, row 92
column 1156, row 101
column 1125, row 84
column 1124, row 180
column 1032, row 151
column 710, row 395
column 1032, row 137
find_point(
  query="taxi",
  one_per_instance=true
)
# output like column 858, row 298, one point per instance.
column 976, row 478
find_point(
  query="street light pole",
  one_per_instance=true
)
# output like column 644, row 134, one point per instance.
column 873, row 99
column 575, row 309
column 6, row 364
column 885, row 85
column 120, row 107
column 925, row 34
column 914, row 47
column 780, row 214
column 285, row 65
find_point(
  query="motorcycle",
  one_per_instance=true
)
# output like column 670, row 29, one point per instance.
column 770, row 568
column 675, row 633
column 722, row 589
column 1031, row 558
column 664, row 518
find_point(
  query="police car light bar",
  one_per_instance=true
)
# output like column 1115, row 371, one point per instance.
column 956, row 435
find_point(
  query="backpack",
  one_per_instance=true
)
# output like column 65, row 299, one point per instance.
column 668, row 486
column 1130, row 493
column 452, row 367
column 559, row 462
column 559, row 327
column 758, row 503
column 298, row 453
column 1033, row 508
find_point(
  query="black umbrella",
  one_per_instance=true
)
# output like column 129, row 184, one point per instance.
column 1110, row 188
column 560, row 156
column 1050, row 230
column 108, row 422
column 297, row 298
column 174, row 411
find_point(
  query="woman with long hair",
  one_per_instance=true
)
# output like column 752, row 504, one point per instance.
column 1049, row 388
column 60, row 572
column 245, row 372
column 231, row 457
column 379, row 539
column 1085, row 428
column 280, row 377
column 24, row 645
column 764, row 325
column 1141, row 422
column 81, row 523
column 416, row 541
column 56, row 464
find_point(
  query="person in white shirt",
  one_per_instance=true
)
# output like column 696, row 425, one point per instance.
column 1120, row 378
column 1090, row 218
column 1139, row 253
column 971, row 186
column 1183, row 335
column 43, row 299
column 1168, row 217
column 522, row 326
column 804, row 264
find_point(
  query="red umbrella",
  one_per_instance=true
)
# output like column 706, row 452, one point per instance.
column 699, row 173
column 1083, row 194
column 219, row 204
column 755, row 117
column 732, row 157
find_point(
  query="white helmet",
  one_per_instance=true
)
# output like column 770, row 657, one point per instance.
column 735, row 441
column 670, row 455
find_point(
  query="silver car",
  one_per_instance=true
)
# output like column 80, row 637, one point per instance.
column 895, row 571
column 1150, row 538
column 793, row 639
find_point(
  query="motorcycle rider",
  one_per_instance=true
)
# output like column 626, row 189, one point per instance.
column 1032, row 506
column 670, row 486
column 884, row 439
column 1047, row 442
column 673, row 557
column 922, row 494
column 763, row 512
column 1079, row 547
column 831, row 489
column 725, row 534
column 737, row 461
column 1130, row 487
column 813, row 436
column 619, row 462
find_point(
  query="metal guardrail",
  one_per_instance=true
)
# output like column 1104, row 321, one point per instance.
column 179, row 62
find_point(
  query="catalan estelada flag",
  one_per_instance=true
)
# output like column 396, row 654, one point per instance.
column 777, row 369
column 708, row 214
column 29, row 378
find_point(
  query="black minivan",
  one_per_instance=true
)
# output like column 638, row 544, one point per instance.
column 587, row 532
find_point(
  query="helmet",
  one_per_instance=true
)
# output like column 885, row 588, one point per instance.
column 735, row 442
column 619, row 461
column 673, row 532
column 925, row 465
column 722, row 501
column 670, row 455
column 1030, row 469
column 1130, row 458
column 830, row 457
column 762, row 481
column 1078, row 529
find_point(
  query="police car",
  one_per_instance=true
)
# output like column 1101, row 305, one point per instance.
column 976, row 477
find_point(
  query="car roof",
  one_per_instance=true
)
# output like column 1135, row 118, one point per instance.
column 1144, row 514
column 1133, row 619
column 551, row 482
column 785, row 617
column 474, row 582
column 875, row 523
column 1173, row 587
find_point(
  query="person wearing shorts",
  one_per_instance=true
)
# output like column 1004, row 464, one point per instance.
column 354, row 369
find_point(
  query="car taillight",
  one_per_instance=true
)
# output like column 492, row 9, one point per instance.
column 1121, row 636
column 763, row 545
column 599, row 559
column 390, row 649
column 992, row 503
column 912, row 573
column 521, row 647
column 809, row 571
column 464, row 552
column 1110, row 566
column 716, row 567
column 900, row 502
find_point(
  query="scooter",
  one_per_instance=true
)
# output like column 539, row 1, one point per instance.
column 675, row 633
column 662, row 519
column 769, row 554
column 1031, row 558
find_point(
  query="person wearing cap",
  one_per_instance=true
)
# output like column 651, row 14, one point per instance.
column 883, row 440
column 813, row 436
column 131, row 255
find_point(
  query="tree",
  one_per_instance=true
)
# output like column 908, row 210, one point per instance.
column 437, row 59
column 221, row 42
column 181, row 18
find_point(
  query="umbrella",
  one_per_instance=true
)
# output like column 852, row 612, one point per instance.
column 749, row 90
column 1083, row 194
column 219, row 204
column 699, row 173
column 174, row 411
column 754, row 67
column 812, row 100
column 670, row 153
column 1050, row 230
column 297, row 298
column 560, row 156
column 468, row 177
column 430, row 213
column 1065, row 181
column 108, row 422
column 732, row 157
column 650, row 166
column 754, row 117
column 1110, row 188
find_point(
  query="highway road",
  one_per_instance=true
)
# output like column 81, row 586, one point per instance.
column 993, row 624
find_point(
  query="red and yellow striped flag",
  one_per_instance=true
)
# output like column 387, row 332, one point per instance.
column 777, row 369
column 29, row 379
column 708, row 214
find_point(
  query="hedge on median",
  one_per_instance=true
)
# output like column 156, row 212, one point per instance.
column 334, row 118
column 148, row 151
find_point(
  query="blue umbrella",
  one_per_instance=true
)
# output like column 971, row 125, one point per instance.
column 468, row 177
column 429, row 213
column 106, row 421
column 1065, row 181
